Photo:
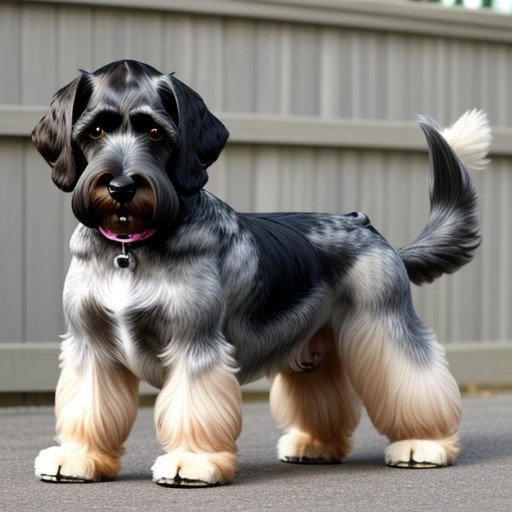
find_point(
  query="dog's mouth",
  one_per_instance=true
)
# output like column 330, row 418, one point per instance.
column 125, row 222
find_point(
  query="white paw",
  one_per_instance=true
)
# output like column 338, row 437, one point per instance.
column 180, row 468
column 415, row 453
column 64, row 464
column 299, row 447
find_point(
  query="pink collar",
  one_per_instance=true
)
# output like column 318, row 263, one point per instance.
column 127, row 239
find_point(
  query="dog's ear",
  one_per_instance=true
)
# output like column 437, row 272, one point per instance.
column 52, row 135
column 202, row 136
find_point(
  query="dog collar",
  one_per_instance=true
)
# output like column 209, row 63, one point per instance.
column 127, row 239
column 126, row 260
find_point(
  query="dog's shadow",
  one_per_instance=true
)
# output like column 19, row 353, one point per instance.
column 272, row 470
column 258, row 472
column 477, row 449
column 134, row 476
column 258, row 462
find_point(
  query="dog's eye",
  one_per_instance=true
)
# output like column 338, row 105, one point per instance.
column 96, row 133
column 155, row 134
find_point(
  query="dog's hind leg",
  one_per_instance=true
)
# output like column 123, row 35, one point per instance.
column 198, row 420
column 319, row 409
column 399, row 369
column 96, row 405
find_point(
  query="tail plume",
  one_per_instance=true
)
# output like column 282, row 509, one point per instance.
column 452, row 234
column 470, row 138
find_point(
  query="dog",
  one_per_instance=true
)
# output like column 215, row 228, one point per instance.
column 168, row 284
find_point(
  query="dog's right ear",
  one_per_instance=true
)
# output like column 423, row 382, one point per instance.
column 52, row 135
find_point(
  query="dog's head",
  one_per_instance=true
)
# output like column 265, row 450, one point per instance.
column 128, row 141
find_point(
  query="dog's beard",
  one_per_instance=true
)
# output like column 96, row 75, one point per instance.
column 135, row 216
column 153, row 206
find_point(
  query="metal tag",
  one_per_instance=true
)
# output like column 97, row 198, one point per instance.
column 126, row 259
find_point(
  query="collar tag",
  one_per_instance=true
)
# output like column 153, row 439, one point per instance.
column 125, row 260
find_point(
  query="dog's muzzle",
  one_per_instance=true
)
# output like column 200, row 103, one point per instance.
column 130, row 203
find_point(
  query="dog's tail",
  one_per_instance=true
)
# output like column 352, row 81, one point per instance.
column 451, row 236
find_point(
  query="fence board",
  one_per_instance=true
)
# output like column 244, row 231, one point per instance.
column 319, row 100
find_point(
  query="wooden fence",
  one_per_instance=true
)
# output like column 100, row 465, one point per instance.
column 320, row 99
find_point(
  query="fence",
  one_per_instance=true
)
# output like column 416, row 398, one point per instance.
column 320, row 99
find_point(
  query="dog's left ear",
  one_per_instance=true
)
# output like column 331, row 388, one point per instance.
column 202, row 136
column 52, row 135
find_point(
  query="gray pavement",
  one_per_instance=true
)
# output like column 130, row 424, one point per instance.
column 480, row 481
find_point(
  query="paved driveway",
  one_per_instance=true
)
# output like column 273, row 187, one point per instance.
column 481, row 480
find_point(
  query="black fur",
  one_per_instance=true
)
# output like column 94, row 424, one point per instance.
column 216, row 298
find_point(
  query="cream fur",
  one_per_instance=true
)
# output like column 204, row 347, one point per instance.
column 404, row 401
column 419, row 453
column 319, row 409
column 95, row 409
column 198, row 420
column 470, row 137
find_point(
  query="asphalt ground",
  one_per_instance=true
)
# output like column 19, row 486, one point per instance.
column 480, row 481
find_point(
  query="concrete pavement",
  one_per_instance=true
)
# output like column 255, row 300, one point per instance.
column 480, row 481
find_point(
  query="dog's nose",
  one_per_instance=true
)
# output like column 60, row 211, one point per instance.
column 122, row 189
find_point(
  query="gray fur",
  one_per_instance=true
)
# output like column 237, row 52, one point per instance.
column 452, row 234
column 265, row 284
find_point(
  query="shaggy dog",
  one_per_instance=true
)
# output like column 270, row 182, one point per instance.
column 170, row 285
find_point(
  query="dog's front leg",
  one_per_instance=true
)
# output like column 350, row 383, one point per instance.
column 95, row 405
column 198, row 420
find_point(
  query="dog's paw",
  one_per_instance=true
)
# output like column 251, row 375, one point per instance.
column 65, row 464
column 301, row 448
column 415, row 453
column 180, row 468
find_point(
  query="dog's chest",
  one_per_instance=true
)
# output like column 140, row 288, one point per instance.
column 119, row 294
column 133, row 308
